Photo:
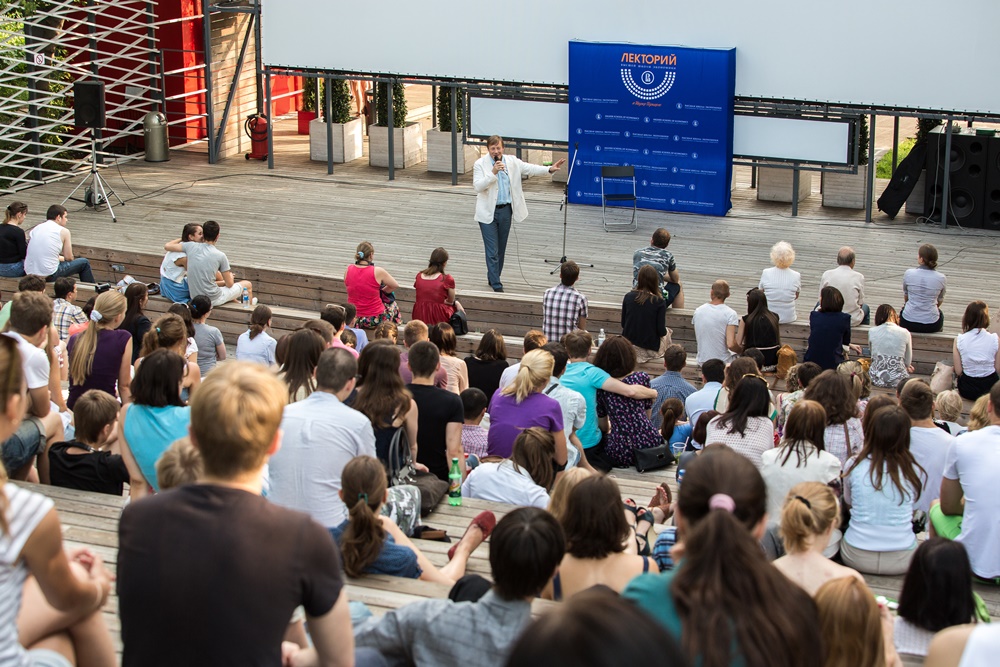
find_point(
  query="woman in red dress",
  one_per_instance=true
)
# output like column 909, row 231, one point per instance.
column 435, row 301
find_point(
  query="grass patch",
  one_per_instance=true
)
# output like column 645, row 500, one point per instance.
column 884, row 167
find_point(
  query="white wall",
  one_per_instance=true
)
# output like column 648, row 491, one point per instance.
column 943, row 58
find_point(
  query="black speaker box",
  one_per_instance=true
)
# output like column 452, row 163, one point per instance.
column 967, row 181
column 991, row 217
column 88, row 104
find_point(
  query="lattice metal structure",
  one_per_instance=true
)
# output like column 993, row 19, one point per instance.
column 44, row 48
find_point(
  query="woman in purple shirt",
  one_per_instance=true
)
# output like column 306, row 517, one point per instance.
column 521, row 405
column 101, row 355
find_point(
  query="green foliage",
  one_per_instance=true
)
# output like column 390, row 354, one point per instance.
column 925, row 125
column 340, row 106
column 16, row 88
column 444, row 110
column 862, row 140
column 309, row 93
column 382, row 104
column 884, row 167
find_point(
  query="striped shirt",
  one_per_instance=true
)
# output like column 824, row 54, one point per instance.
column 65, row 315
column 25, row 511
column 562, row 308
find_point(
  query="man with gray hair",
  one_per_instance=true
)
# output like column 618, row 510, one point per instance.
column 321, row 435
column 851, row 285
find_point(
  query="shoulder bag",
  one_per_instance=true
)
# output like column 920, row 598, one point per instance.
column 401, row 471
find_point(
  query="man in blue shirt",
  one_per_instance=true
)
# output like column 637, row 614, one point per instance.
column 671, row 384
column 713, row 372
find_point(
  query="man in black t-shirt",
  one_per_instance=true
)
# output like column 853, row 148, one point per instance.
column 210, row 573
column 440, row 413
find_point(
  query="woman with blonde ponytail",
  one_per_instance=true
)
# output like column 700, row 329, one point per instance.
column 809, row 517
column 101, row 355
column 36, row 572
column 169, row 332
column 724, row 602
column 371, row 543
column 521, row 405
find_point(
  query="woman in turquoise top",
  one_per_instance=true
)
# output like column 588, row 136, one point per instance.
column 725, row 603
column 156, row 418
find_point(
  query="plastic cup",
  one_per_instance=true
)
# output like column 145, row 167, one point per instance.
column 677, row 449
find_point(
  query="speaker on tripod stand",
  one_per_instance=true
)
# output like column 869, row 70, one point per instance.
column 89, row 113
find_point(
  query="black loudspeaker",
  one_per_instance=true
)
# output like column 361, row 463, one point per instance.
column 991, row 217
column 88, row 104
column 967, row 181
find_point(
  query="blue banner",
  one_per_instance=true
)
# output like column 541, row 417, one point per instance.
column 666, row 110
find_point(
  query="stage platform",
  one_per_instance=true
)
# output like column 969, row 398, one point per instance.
column 297, row 217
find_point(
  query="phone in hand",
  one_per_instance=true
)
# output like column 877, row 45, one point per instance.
column 866, row 351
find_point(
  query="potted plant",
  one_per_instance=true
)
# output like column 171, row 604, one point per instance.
column 348, row 138
column 308, row 112
column 439, row 138
column 408, row 140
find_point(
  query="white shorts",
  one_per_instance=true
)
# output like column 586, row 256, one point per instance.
column 227, row 294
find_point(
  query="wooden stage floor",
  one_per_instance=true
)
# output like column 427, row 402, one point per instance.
column 297, row 217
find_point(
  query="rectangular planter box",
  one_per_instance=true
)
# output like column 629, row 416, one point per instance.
column 439, row 152
column 408, row 145
column 845, row 190
column 915, row 204
column 347, row 140
column 304, row 118
column 776, row 184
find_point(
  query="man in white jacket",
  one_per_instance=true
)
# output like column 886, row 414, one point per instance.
column 500, row 200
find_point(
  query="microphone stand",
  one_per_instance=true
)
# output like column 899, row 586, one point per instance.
column 564, row 207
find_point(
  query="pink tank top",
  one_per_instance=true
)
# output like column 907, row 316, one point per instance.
column 363, row 290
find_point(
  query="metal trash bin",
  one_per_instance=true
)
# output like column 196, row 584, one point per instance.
column 154, row 126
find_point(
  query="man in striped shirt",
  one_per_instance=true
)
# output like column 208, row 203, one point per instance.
column 661, row 259
column 563, row 307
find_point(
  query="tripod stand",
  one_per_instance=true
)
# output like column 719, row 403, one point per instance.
column 98, row 192
column 564, row 207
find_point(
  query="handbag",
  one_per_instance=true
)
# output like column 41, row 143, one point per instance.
column 388, row 298
column 401, row 471
column 653, row 458
column 786, row 359
column 459, row 322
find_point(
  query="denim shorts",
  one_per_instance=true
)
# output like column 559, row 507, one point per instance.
column 20, row 448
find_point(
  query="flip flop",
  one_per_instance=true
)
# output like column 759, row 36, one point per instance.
column 486, row 521
column 641, row 540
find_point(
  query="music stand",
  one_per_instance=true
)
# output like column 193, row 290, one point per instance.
column 99, row 184
column 564, row 207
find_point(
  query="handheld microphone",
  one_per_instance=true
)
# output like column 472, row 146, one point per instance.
column 498, row 158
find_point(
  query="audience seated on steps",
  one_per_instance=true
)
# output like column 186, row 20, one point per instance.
column 670, row 384
column 474, row 440
column 320, row 436
column 173, row 268
column 169, row 333
column 51, row 597
column 414, row 332
column 572, row 404
column 440, row 414
column 196, row 539
column 662, row 261
column 64, row 313
column 781, row 284
column 30, row 328
column 87, row 462
column 533, row 340
column 850, row 284
column 443, row 336
column 255, row 344
column 50, row 249
column 211, row 346
column 204, row 261
column 715, row 326
column 524, row 479
column 476, row 628
column 928, row 443
column 564, row 308
column 336, row 316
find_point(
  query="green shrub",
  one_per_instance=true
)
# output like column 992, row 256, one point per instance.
column 884, row 167
column 444, row 110
column 382, row 104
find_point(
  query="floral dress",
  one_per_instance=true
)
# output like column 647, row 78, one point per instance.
column 630, row 426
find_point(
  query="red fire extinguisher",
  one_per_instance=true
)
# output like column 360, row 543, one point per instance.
column 256, row 128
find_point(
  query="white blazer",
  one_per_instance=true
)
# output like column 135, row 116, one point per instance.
column 485, row 182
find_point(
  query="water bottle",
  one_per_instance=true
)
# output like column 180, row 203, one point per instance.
column 454, row 484
column 245, row 299
column 600, row 338
column 680, row 477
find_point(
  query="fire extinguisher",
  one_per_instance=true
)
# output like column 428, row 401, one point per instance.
column 255, row 127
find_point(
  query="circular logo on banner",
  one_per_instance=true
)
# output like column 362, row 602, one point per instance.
column 680, row 105
column 677, row 138
column 645, row 183
column 648, row 76
column 691, row 187
column 597, row 148
column 597, row 179
column 579, row 162
column 627, row 134
column 694, row 156
column 579, row 193
column 645, row 151
column 576, row 99
column 674, row 170
column 695, row 123
column 579, row 130
column 673, row 201
column 598, row 116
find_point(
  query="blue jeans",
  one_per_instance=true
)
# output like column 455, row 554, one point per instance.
column 15, row 270
column 495, row 243
column 79, row 266
column 867, row 313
